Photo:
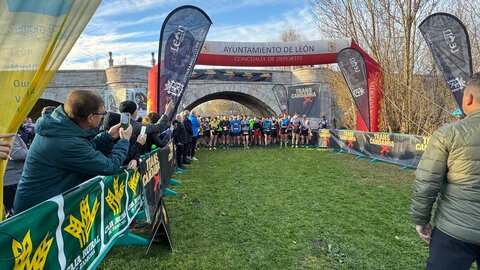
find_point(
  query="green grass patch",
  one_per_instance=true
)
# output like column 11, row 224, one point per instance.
column 285, row 209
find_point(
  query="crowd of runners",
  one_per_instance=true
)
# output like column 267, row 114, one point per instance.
column 247, row 131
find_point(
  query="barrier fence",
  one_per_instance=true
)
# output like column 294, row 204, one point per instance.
column 401, row 149
column 76, row 229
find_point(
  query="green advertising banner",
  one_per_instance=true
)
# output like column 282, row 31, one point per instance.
column 114, row 215
column 134, row 195
column 29, row 241
column 81, row 229
column 74, row 230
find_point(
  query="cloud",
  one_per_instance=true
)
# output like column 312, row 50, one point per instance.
column 105, row 34
column 90, row 49
column 300, row 20
column 220, row 7
column 123, row 7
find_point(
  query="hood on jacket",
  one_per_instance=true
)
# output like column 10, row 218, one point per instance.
column 58, row 124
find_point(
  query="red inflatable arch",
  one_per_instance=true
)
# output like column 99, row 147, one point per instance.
column 298, row 53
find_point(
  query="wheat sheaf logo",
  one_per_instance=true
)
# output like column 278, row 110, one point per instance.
column 133, row 182
column 114, row 199
column 22, row 252
column 81, row 229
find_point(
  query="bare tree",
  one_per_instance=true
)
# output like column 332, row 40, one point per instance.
column 467, row 11
column 96, row 63
column 415, row 99
column 290, row 34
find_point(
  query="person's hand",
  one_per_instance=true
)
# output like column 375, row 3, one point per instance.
column 126, row 133
column 169, row 107
column 132, row 165
column 142, row 139
column 425, row 232
column 5, row 145
column 114, row 131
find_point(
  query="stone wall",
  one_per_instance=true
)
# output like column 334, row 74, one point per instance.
column 118, row 77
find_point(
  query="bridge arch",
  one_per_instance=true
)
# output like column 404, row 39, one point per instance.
column 259, row 107
column 258, row 98
column 40, row 104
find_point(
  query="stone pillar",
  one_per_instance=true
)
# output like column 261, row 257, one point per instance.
column 110, row 61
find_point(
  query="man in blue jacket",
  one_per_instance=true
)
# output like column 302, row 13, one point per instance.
column 68, row 150
column 195, row 126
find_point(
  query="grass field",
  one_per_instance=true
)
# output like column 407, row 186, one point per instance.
column 285, row 209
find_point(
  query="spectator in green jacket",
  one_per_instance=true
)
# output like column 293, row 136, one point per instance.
column 68, row 150
column 449, row 174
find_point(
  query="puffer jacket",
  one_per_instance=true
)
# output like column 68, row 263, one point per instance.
column 449, row 172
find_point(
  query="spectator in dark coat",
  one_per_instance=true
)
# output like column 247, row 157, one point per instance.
column 179, row 139
column 189, row 130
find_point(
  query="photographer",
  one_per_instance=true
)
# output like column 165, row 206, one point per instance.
column 68, row 150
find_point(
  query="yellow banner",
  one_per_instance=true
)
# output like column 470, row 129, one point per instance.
column 35, row 38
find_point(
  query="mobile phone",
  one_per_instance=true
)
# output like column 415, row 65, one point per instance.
column 125, row 120
column 143, row 130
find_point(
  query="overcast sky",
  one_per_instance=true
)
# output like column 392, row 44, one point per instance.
column 130, row 28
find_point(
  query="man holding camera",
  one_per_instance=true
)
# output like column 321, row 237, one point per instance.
column 68, row 150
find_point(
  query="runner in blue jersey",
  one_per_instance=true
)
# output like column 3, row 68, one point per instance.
column 284, row 124
column 235, row 125
column 267, row 127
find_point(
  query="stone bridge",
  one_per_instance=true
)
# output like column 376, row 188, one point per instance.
column 116, row 80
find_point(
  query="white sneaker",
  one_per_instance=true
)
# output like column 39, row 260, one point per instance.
column 194, row 159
